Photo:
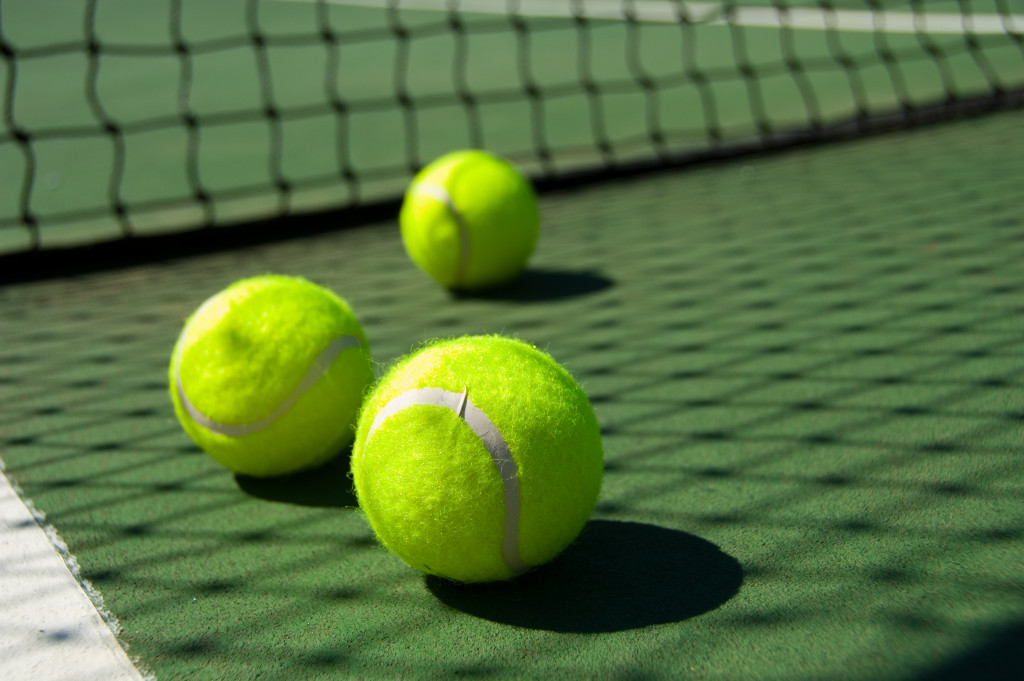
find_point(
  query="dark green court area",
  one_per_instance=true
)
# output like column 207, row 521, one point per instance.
column 809, row 372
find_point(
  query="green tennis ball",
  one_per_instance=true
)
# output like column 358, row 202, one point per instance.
column 470, row 220
column 477, row 459
column 268, row 375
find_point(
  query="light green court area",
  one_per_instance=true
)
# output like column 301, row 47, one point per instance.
column 301, row 106
column 808, row 369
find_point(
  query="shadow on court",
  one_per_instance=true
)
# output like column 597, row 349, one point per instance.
column 537, row 285
column 328, row 486
column 999, row 657
column 617, row 576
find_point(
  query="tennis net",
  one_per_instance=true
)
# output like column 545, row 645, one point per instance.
column 124, row 119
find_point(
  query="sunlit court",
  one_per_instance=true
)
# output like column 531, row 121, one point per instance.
column 511, row 339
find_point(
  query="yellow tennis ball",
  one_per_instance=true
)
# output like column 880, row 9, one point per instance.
column 470, row 220
column 477, row 459
column 268, row 375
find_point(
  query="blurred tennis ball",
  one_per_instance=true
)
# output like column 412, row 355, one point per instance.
column 470, row 220
column 477, row 459
column 268, row 375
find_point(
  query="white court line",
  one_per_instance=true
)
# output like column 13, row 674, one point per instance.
column 660, row 11
column 50, row 630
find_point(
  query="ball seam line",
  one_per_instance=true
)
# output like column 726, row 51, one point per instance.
column 493, row 441
column 438, row 192
column 317, row 369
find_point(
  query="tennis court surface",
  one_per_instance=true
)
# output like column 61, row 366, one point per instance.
column 781, row 250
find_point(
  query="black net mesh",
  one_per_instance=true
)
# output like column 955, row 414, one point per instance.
column 122, row 119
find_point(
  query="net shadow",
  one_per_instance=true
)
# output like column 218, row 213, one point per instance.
column 812, row 360
column 617, row 576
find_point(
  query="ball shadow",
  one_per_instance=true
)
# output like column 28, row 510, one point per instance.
column 536, row 285
column 617, row 576
column 997, row 658
column 328, row 486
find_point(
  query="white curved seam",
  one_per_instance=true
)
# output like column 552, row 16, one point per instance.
column 436, row 191
column 484, row 428
column 317, row 369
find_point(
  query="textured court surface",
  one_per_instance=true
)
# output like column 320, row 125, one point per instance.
column 808, row 367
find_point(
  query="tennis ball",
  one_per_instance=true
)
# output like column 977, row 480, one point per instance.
column 477, row 459
column 268, row 375
column 470, row 220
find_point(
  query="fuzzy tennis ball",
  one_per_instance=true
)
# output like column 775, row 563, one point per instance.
column 477, row 459
column 268, row 375
column 470, row 220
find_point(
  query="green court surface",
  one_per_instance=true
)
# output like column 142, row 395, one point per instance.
column 809, row 372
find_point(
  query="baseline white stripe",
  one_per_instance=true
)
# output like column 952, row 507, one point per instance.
column 493, row 440
column 50, row 630
column 652, row 11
